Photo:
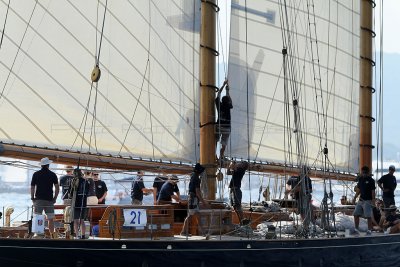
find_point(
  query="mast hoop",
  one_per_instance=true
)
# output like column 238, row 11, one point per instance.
column 215, row 6
column 369, row 60
column 373, row 33
column 372, row 89
column 215, row 52
column 367, row 145
column 210, row 86
column 372, row 119
column 372, row 2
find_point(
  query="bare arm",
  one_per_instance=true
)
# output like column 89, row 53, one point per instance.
column 198, row 193
column 155, row 194
column 32, row 192
column 176, row 197
column 103, row 197
column 57, row 190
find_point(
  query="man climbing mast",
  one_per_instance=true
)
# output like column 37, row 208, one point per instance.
column 223, row 124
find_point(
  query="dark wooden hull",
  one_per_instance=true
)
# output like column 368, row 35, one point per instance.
column 360, row 251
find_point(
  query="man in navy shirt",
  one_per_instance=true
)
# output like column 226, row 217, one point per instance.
column 223, row 124
column 195, row 197
column 388, row 184
column 65, row 183
column 235, row 194
column 42, row 192
column 169, row 191
column 138, row 189
column 366, row 190
column 157, row 184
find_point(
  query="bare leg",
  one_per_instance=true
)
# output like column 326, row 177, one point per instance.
column 222, row 151
column 239, row 214
column 51, row 225
column 356, row 221
column 185, row 225
column 369, row 223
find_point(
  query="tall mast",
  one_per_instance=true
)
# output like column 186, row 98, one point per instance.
column 207, row 91
column 366, row 89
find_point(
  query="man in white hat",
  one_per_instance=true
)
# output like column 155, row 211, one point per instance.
column 42, row 192
column 388, row 184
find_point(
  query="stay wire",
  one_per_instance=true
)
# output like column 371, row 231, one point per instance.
column 5, row 21
column 19, row 48
column 101, row 35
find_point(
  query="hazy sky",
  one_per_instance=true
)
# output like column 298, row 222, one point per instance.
column 391, row 23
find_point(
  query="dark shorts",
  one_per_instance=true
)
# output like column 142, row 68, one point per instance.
column 44, row 205
column 222, row 134
column 193, row 204
column 388, row 201
column 235, row 196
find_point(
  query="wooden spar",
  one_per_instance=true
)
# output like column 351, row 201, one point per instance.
column 207, row 92
column 91, row 160
column 129, row 164
column 366, row 89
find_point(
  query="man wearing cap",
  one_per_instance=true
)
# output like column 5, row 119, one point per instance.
column 195, row 197
column 42, row 192
column 65, row 183
column 366, row 186
column 169, row 191
column 388, row 184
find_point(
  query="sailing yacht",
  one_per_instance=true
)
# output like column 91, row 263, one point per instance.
column 130, row 85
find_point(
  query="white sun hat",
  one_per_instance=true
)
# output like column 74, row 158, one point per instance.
column 45, row 161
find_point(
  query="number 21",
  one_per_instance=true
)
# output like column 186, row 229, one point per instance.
column 134, row 217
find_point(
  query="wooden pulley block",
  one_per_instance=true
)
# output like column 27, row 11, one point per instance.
column 96, row 73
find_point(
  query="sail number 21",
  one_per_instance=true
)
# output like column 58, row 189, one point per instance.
column 135, row 217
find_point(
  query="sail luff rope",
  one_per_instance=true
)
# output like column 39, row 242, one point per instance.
column 247, row 105
column 194, row 86
column 379, row 101
column 4, row 26
column 148, row 84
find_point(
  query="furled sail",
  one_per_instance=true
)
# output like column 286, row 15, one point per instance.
column 320, row 72
column 146, row 101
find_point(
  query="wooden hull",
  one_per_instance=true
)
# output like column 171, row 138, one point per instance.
column 357, row 251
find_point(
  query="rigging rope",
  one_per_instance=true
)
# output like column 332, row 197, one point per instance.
column 4, row 27
column 19, row 47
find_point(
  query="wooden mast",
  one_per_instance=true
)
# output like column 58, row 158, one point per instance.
column 366, row 89
column 207, row 92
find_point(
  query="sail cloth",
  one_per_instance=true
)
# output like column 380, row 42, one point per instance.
column 146, row 102
column 322, row 42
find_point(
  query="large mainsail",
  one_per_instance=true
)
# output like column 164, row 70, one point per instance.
column 321, row 72
column 146, row 101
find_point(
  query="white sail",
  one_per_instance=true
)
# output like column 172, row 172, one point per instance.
column 146, row 101
column 322, row 40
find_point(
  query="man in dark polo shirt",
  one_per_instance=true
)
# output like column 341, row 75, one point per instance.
column 366, row 186
column 42, row 192
column 65, row 183
column 388, row 184
column 235, row 193
column 169, row 191
column 138, row 189
column 101, row 188
column 195, row 197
